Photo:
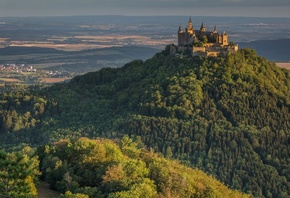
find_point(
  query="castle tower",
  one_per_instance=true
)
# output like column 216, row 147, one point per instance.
column 190, row 27
column 214, row 30
column 190, row 23
column 180, row 30
column 223, row 39
column 202, row 28
column 181, row 36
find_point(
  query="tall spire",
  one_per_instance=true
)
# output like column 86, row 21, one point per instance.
column 180, row 29
column 214, row 29
column 202, row 28
column 189, row 28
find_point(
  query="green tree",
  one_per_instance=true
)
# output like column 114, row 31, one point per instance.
column 18, row 174
column 144, row 189
column 69, row 194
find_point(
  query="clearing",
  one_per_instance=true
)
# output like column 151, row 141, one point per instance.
column 44, row 191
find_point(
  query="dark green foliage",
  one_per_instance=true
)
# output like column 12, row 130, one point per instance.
column 227, row 116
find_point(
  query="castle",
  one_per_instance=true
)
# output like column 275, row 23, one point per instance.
column 204, row 43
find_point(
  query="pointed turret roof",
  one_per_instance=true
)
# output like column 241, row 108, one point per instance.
column 189, row 26
column 214, row 29
column 180, row 29
column 202, row 27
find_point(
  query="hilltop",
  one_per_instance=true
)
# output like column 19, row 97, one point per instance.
column 228, row 116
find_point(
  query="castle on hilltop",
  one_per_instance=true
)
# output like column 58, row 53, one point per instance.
column 202, row 42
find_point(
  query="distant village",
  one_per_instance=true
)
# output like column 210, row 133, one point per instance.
column 202, row 42
column 20, row 68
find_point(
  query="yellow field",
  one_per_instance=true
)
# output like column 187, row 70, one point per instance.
column 3, row 39
column 145, row 40
column 284, row 65
column 10, row 80
column 94, row 41
column 65, row 47
column 52, row 80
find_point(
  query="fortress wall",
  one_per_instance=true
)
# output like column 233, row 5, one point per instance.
column 198, row 49
column 214, row 54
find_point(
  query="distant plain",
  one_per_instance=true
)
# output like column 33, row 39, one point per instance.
column 88, row 43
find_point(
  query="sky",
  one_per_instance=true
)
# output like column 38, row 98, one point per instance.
column 245, row 8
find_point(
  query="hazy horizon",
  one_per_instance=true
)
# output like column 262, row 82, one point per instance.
column 238, row 8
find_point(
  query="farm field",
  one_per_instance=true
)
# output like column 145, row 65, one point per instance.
column 284, row 65
column 9, row 80
column 52, row 80
column 64, row 47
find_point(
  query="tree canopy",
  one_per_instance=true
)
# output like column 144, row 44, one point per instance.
column 228, row 116
column 103, row 168
column 18, row 175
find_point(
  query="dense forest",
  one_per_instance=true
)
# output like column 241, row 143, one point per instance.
column 228, row 116
column 98, row 168
column 103, row 168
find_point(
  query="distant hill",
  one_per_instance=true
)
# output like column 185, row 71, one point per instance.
column 75, row 61
column 132, row 52
column 274, row 50
column 228, row 116
column 28, row 50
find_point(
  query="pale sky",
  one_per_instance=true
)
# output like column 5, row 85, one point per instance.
column 257, row 8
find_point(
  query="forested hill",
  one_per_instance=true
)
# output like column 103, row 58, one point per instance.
column 227, row 116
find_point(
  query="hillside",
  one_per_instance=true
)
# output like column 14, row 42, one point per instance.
column 103, row 168
column 227, row 116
